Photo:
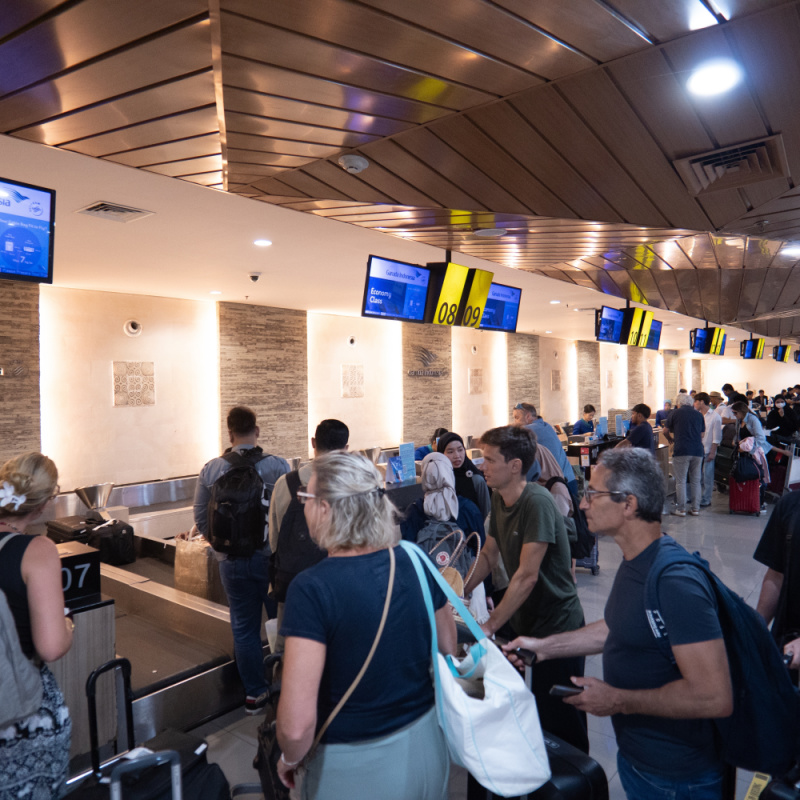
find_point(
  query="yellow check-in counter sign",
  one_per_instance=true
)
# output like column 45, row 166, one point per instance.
column 476, row 301
column 450, row 294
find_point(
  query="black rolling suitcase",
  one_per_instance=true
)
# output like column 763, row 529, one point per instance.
column 268, row 753
column 576, row 776
column 142, row 779
column 723, row 464
column 114, row 539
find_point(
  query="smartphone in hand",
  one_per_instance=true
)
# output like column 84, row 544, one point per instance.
column 559, row 690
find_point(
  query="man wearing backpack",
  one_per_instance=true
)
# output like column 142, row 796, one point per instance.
column 662, row 711
column 292, row 547
column 230, row 510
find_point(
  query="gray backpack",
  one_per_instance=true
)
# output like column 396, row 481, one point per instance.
column 446, row 545
column 20, row 681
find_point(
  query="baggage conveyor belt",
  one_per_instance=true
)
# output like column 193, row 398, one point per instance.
column 180, row 648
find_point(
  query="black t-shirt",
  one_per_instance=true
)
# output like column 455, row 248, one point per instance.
column 771, row 552
column 339, row 603
column 633, row 659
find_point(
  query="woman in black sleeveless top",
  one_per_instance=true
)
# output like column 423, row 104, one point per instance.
column 34, row 751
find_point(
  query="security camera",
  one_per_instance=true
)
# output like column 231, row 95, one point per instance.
column 254, row 276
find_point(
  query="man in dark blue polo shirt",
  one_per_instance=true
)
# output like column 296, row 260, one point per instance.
column 685, row 427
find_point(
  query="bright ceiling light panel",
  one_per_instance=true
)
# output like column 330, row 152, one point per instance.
column 714, row 77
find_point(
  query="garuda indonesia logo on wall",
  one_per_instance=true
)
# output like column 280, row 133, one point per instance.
column 427, row 359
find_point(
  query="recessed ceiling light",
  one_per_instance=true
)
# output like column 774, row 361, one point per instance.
column 555, row 302
column 215, row 292
column 262, row 242
column 714, row 77
column 548, row 331
column 489, row 233
column 680, row 329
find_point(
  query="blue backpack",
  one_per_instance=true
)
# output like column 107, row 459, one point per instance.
column 763, row 732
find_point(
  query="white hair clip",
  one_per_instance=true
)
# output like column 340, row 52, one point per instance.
column 7, row 496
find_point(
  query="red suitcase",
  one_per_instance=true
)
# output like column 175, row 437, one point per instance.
column 744, row 498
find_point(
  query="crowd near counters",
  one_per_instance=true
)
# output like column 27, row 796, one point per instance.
column 317, row 547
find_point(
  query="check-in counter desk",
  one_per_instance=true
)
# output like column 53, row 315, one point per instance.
column 586, row 455
column 93, row 643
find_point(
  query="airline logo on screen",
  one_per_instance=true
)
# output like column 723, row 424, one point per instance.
column 392, row 271
column 30, row 205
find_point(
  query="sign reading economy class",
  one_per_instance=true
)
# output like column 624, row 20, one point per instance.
column 395, row 290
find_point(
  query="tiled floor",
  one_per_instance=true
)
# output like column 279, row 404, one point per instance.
column 727, row 541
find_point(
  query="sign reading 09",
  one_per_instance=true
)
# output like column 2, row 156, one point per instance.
column 461, row 295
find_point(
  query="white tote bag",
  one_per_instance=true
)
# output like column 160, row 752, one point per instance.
column 496, row 737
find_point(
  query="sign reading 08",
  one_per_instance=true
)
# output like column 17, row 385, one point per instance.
column 449, row 299
column 461, row 295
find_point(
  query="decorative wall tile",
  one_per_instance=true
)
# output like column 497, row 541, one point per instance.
column 555, row 380
column 476, row 380
column 697, row 377
column 352, row 380
column 264, row 365
column 20, row 413
column 134, row 383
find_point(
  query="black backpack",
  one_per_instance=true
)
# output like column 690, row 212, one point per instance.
column 237, row 509
column 295, row 549
column 763, row 731
column 582, row 546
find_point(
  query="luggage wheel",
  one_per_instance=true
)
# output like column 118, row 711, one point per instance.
column 595, row 570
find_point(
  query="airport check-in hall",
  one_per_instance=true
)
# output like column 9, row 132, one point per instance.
column 402, row 216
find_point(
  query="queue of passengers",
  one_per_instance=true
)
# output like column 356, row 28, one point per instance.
column 361, row 606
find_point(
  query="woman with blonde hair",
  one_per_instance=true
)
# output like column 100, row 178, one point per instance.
column 34, row 751
column 357, row 659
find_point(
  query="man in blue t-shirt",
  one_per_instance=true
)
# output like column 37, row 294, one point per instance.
column 524, row 415
column 661, row 712
column 640, row 434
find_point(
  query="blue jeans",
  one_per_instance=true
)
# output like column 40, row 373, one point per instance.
column 708, row 481
column 246, row 582
column 640, row 785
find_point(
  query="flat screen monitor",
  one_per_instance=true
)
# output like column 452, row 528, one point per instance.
column 752, row 348
column 608, row 324
column 27, row 228
column 502, row 308
column 797, row 356
column 698, row 340
column 654, row 337
column 781, row 352
column 395, row 290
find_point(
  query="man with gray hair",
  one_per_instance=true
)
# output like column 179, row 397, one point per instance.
column 685, row 427
column 661, row 711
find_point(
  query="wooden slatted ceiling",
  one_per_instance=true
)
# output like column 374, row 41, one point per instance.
column 472, row 113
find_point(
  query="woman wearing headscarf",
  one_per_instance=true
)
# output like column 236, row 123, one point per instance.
column 470, row 482
column 440, row 501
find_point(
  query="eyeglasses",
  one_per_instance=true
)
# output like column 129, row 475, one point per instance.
column 303, row 495
column 590, row 494
column 56, row 493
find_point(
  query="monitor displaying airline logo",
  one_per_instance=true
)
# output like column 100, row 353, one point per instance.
column 395, row 290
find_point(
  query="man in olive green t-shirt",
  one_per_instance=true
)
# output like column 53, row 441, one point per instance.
column 528, row 531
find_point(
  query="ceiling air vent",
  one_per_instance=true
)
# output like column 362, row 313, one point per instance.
column 114, row 212
column 733, row 167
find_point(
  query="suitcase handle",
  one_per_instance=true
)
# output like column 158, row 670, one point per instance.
column 153, row 760
column 124, row 666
